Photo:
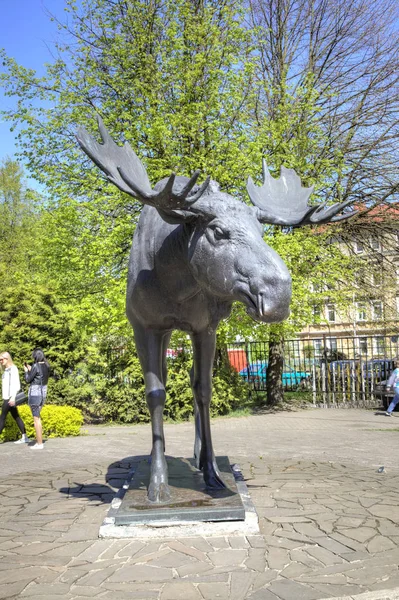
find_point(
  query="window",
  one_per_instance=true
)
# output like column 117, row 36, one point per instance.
column 363, row 345
column 331, row 313
column 316, row 312
column 360, row 278
column 359, row 247
column 331, row 344
column 377, row 278
column 379, row 344
column 375, row 243
column 318, row 346
column 361, row 311
column 377, row 310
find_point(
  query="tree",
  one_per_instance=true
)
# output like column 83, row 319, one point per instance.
column 128, row 61
column 327, row 93
column 19, row 226
column 210, row 85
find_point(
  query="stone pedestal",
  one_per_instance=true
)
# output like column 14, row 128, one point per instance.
column 192, row 509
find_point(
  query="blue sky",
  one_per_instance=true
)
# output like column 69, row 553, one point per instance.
column 27, row 34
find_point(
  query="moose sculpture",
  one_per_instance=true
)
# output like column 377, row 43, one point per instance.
column 195, row 251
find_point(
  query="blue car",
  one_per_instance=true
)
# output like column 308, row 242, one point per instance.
column 255, row 373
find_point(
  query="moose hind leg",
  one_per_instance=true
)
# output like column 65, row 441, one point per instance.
column 197, row 421
column 150, row 347
column 204, row 351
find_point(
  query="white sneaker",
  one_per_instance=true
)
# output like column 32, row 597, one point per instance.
column 37, row 447
column 24, row 440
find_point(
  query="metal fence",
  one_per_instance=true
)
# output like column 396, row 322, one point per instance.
column 329, row 371
column 345, row 371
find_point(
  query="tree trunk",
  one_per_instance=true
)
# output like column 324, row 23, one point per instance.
column 274, row 373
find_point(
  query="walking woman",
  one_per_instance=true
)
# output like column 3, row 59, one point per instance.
column 37, row 376
column 10, row 386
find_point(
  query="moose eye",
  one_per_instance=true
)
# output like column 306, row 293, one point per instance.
column 219, row 233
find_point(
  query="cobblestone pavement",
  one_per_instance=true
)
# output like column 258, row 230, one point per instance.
column 329, row 519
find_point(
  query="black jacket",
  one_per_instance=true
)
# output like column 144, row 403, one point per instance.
column 38, row 375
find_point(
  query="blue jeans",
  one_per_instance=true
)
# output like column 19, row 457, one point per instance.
column 394, row 401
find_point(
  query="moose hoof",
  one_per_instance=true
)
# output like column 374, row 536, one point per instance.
column 212, row 478
column 158, row 492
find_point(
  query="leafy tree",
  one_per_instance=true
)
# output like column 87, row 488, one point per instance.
column 19, row 226
column 30, row 317
column 210, row 85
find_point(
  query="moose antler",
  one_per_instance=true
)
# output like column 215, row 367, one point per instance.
column 284, row 201
column 124, row 169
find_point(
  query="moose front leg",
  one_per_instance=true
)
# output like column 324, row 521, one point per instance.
column 204, row 345
column 150, row 349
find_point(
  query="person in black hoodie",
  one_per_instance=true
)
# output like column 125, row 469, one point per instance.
column 37, row 376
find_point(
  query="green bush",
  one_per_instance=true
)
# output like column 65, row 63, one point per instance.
column 108, row 386
column 57, row 421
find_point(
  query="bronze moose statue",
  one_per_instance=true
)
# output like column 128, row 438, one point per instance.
column 195, row 251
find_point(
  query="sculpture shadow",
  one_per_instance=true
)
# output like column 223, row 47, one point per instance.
column 119, row 472
column 116, row 475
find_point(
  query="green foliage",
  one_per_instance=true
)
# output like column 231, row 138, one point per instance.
column 29, row 318
column 115, row 392
column 57, row 421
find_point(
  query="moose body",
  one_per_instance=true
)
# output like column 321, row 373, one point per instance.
column 195, row 251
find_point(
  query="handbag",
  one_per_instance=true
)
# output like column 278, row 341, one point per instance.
column 20, row 398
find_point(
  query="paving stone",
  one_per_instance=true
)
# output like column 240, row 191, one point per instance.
column 386, row 511
column 291, row 590
column 380, row 543
column 95, row 550
column 324, row 556
column 294, row 570
column 69, row 549
column 278, row 558
column 238, row 542
column 228, row 557
column 346, row 541
column 131, row 549
column 145, row 557
column 199, row 543
column 194, row 568
column 96, row 578
column 172, row 559
column 309, row 530
column 343, row 591
column 347, row 522
column 257, row 541
column 219, row 542
column 141, row 573
column 361, row 534
column 11, row 590
column 262, row 594
column 262, row 579
column 240, row 584
column 256, row 559
column 43, row 590
column 266, row 527
column 140, row 591
column 293, row 535
column 280, row 542
column 178, row 590
column 185, row 549
column 334, row 546
column 211, row 591
column 365, row 576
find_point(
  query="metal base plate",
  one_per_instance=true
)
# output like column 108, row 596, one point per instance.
column 190, row 499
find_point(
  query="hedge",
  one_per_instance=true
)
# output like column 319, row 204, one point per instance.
column 57, row 421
